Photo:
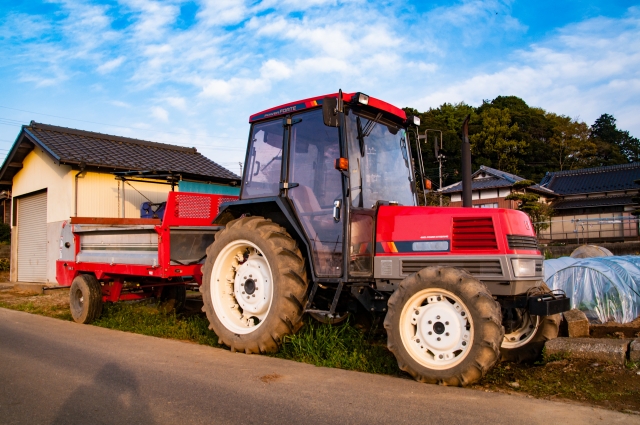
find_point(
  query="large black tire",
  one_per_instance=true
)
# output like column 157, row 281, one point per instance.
column 548, row 328
column 289, row 285
column 484, row 329
column 173, row 298
column 85, row 298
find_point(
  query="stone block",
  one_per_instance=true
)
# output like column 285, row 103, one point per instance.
column 577, row 323
column 634, row 351
column 604, row 350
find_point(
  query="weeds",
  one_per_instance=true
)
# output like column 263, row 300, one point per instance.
column 55, row 311
column 341, row 346
column 145, row 319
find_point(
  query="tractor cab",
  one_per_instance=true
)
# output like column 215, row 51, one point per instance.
column 331, row 177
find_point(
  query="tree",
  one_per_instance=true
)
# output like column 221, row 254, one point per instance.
column 570, row 143
column 495, row 139
column 614, row 146
column 539, row 213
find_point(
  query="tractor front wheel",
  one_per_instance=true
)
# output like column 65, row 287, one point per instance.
column 444, row 327
column 526, row 343
column 254, row 285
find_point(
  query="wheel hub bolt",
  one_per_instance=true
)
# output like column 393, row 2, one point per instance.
column 438, row 338
column 430, row 332
column 446, row 334
column 417, row 312
column 463, row 313
column 429, row 322
column 464, row 343
column 437, row 317
column 440, row 356
column 418, row 341
column 446, row 323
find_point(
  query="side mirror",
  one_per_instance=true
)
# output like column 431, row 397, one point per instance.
column 329, row 114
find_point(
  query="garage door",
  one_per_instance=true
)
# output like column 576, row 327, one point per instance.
column 32, row 238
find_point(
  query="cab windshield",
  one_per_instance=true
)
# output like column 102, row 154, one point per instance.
column 379, row 164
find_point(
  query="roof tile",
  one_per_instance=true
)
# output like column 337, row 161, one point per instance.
column 97, row 149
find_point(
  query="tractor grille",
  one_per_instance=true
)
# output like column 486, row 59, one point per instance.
column 473, row 233
column 480, row 267
column 522, row 242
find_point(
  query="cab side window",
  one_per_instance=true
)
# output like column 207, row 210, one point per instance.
column 262, row 171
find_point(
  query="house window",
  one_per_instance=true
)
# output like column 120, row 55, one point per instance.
column 492, row 205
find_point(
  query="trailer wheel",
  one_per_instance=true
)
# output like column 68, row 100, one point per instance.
column 444, row 327
column 526, row 343
column 254, row 285
column 85, row 298
column 173, row 298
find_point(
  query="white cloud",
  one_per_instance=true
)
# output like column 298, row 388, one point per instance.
column 222, row 12
column 120, row 104
column 275, row 70
column 111, row 65
column 586, row 69
column 160, row 113
column 177, row 102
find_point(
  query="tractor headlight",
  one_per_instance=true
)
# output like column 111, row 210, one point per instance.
column 523, row 267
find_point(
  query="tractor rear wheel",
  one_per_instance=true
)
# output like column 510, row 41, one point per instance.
column 254, row 285
column 444, row 327
column 85, row 298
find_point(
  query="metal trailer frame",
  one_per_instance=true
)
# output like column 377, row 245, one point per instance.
column 184, row 211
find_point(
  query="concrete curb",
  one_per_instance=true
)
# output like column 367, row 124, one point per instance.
column 600, row 349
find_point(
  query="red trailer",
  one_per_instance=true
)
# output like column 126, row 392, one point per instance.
column 137, row 258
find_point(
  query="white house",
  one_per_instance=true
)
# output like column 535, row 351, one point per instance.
column 54, row 173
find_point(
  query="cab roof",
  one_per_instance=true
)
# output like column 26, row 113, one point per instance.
column 312, row 102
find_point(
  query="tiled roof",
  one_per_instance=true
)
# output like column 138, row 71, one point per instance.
column 75, row 147
column 605, row 201
column 591, row 180
column 496, row 179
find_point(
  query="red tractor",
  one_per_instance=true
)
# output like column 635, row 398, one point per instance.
column 328, row 223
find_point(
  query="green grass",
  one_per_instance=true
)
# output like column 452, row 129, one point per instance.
column 55, row 311
column 145, row 319
column 341, row 346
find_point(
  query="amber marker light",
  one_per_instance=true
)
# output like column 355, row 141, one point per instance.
column 341, row 164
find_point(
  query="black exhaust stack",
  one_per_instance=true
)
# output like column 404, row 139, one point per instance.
column 466, row 164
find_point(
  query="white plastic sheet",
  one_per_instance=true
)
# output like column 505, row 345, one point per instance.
column 604, row 288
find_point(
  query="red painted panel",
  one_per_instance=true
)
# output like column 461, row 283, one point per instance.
column 312, row 102
column 398, row 224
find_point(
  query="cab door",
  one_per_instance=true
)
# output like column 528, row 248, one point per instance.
column 313, row 149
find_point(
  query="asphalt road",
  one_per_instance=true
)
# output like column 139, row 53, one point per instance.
column 56, row 372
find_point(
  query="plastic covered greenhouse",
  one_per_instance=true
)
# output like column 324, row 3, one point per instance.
column 604, row 288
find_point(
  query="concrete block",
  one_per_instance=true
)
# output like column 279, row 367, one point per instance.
column 33, row 288
column 634, row 351
column 599, row 349
column 577, row 323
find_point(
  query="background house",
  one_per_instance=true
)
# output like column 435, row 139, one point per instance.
column 489, row 187
column 53, row 173
column 593, row 204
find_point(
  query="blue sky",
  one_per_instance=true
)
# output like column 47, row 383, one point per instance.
column 191, row 72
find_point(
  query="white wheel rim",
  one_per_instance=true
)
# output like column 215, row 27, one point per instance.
column 436, row 329
column 523, row 334
column 241, row 287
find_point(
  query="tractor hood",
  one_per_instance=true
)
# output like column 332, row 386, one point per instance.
column 445, row 230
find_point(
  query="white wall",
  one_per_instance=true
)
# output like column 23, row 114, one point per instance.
column 100, row 195
column 39, row 171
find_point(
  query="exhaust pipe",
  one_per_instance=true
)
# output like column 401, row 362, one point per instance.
column 466, row 164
